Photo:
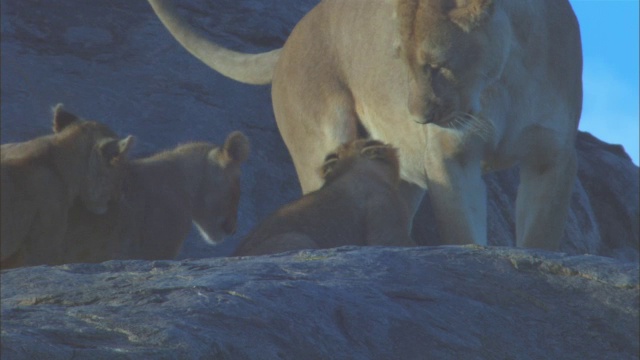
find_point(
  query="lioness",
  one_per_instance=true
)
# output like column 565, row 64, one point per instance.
column 459, row 86
column 162, row 195
column 359, row 204
column 41, row 178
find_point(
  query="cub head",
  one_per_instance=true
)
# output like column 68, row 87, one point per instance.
column 453, row 50
column 216, row 209
column 372, row 155
column 101, row 154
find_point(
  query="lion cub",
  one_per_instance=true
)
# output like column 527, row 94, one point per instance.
column 162, row 196
column 41, row 178
column 358, row 204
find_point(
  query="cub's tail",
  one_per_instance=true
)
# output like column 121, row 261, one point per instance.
column 256, row 69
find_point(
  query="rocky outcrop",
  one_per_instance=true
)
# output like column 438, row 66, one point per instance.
column 610, row 180
column 345, row 303
column 115, row 62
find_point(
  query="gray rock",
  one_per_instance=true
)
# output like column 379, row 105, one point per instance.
column 115, row 62
column 348, row 303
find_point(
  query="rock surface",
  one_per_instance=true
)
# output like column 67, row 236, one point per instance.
column 348, row 303
column 115, row 62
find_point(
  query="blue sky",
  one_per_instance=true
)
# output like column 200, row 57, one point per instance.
column 610, row 46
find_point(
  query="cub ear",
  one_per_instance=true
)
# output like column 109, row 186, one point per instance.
column 114, row 150
column 62, row 118
column 125, row 145
column 468, row 14
column 386, row 153
column 237, row 148
column 329, row 165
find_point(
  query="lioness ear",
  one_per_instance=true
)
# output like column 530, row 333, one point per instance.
column 62, row 118
column 236, row 148
column 114, row 150
column 468, row 14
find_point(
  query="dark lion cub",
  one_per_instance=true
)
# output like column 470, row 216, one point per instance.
column 42, row 178
column 358, row 204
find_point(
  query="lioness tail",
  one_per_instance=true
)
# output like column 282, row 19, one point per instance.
column 256, row 69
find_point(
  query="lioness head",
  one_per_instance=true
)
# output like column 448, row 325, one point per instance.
column 103, row 177
column 215, row 211
column 384, row 159
column 453, row 49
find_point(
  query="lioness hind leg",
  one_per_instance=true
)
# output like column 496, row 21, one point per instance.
column 329, row 130
column 313, row 120
column 543, row 201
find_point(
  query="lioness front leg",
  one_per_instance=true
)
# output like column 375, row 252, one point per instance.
column 456, row 188
column 458, row 197
column 412, row 195
column 543, row 201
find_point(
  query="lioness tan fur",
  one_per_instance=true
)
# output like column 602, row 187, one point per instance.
column 41, row 179
column 359, row 204
column 461, row 87
column 162, row 196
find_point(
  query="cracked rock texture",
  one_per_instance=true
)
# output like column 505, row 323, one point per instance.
column 113, row 61
column 347, row 303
